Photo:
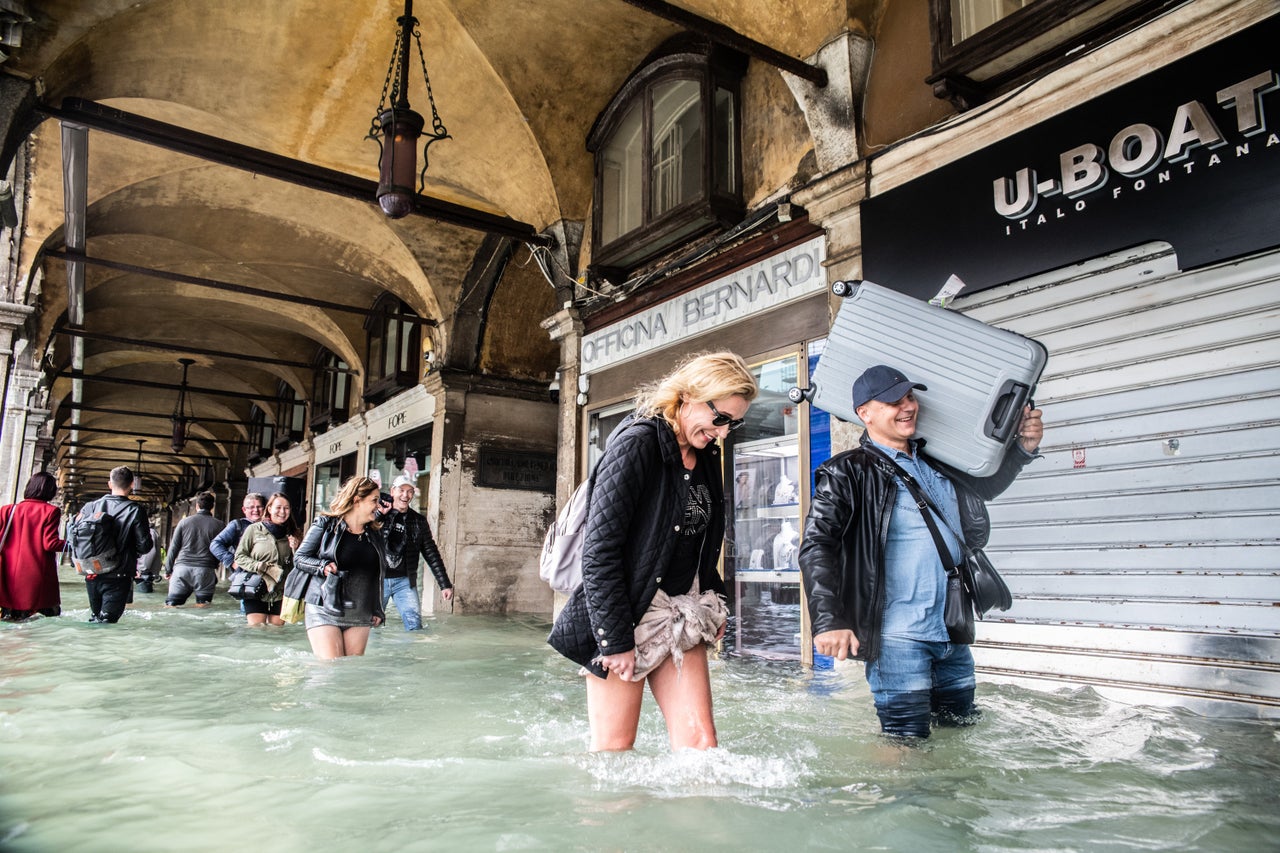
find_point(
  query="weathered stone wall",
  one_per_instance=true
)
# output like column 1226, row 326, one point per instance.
column 491, row 542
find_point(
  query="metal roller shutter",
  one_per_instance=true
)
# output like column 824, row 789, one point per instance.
column 1144, row 549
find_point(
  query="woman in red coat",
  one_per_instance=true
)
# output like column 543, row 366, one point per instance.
column 29, row 576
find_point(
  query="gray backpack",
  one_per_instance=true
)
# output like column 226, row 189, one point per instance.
column 93, row 541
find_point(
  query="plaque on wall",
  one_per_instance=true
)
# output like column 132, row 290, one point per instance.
column 510, row 469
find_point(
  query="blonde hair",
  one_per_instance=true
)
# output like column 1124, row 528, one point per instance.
column 697, row 378
column 354, row 489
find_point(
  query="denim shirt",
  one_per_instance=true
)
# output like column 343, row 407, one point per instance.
column 915, row 579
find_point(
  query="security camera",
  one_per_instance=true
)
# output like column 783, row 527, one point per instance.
column 553, row 390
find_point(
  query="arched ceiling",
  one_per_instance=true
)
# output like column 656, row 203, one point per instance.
column 518, row 84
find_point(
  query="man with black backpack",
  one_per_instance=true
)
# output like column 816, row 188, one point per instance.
column 105, row 539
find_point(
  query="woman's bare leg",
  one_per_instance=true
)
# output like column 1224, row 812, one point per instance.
column 326, row 641
column 684, row 695
column 354, row 640
column 613, row 708
column 252, row 619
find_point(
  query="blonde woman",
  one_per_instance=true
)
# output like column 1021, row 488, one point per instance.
column 651, row 600
column 266, row 548
column 345, row 554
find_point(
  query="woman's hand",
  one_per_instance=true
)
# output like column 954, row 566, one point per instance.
column 623, row 664
column 294, row 542
column 377, row 620
column 331, row 568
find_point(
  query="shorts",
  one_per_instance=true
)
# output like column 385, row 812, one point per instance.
column 263, row 607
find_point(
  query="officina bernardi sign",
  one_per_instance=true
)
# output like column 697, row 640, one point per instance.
column 780, row 278
column 1184, row 155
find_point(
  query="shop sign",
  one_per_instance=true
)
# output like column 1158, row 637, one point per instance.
column 339, row 441
column 774, row 281
column 511, row 469
column 410, row 410
column 1184, row 155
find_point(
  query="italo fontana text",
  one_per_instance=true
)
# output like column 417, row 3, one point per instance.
column 1139, row 150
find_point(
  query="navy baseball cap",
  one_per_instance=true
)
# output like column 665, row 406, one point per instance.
column 883, row 383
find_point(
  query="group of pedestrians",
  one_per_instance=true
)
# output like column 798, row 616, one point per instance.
column 651, row 601
column 358, row 554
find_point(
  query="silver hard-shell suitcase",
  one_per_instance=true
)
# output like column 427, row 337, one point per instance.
column 978, row 376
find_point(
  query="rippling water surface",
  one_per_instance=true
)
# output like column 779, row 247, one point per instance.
column 185, row 730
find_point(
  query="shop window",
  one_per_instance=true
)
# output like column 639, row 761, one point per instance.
column 330, row 392
column 395, row 349
column 985, row 47
column 667, row 166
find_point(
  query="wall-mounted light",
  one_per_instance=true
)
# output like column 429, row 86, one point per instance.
column 553, row 390
column 397, row 128
column 584, row 385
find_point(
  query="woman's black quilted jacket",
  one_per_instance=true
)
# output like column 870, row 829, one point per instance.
column 637, row 507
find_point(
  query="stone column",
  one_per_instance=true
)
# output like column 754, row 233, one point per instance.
column 488, row 514
column 22, row 420
column 18, row 385
column 565, row 327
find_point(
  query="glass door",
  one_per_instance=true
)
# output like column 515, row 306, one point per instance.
column 765, row 490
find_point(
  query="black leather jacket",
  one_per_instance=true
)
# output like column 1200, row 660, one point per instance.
column 320, row 548
column 408, row 534
column 842, row 552
column 637, row 507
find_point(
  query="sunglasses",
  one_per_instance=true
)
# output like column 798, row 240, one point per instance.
column 721, row 419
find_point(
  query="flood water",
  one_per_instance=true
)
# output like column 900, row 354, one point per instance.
column 186, row 730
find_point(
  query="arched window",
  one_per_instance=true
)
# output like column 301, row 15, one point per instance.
column 395, row 349
column 261, row 435
column 667, row 155
column 330, row 392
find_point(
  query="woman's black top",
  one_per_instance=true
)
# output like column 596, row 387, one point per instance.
column 693, row 532
column 362, row 579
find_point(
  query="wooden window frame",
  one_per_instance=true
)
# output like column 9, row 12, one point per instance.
column 1028, row 43
column 713, row 67
column 382, row 384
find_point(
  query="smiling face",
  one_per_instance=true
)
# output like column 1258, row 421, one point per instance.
column 891, row 424
column 697, row 420
column 401, row 496
column 278, row 511
column 364, row 509
column 252, row 510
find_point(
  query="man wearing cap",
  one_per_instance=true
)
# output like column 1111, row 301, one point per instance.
column 873, row 577
column 408, row 535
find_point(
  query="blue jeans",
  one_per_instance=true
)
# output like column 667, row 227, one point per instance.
column 913, row 681
column 406, row 601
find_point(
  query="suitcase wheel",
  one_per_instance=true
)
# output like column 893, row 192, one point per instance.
column 799, row 395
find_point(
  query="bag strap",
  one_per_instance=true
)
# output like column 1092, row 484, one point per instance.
column 926, row 508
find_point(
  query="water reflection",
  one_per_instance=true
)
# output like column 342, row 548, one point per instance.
column 187, row 730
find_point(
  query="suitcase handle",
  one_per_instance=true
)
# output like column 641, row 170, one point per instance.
column 1006, row 414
